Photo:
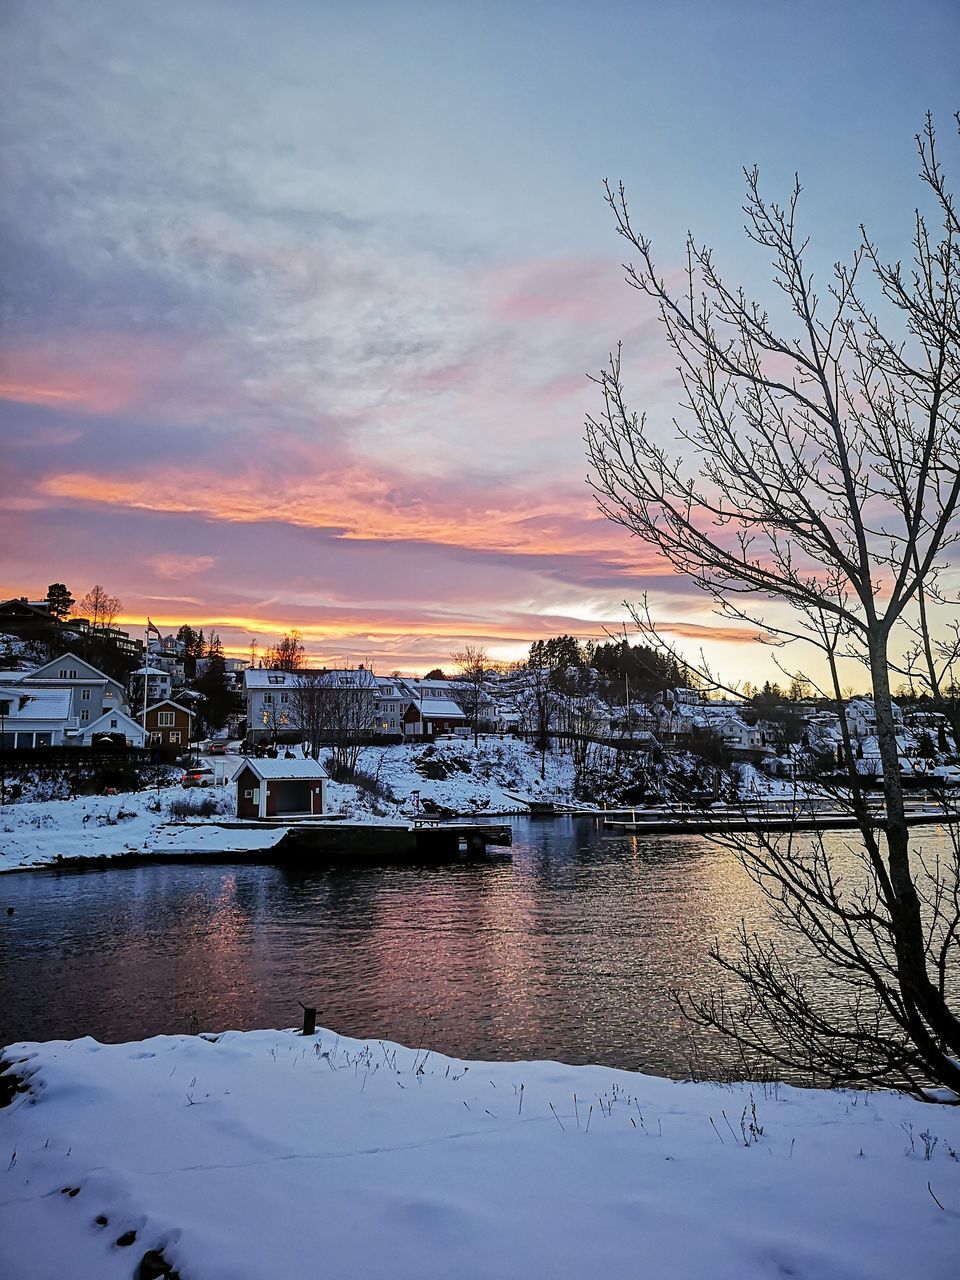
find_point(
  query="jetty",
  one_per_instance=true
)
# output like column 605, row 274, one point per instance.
column 307, row 840
column 771, row 817
column 420, row 838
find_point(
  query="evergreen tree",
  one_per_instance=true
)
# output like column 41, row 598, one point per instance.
column 59, row 600
column 217, row 698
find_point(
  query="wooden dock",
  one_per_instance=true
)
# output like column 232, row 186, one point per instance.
column 376, row 841
column 775, row 818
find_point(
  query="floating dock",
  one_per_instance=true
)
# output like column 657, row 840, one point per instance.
column 733, row 819
column 371, row 841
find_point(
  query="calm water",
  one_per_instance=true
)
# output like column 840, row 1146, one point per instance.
column 568, row 952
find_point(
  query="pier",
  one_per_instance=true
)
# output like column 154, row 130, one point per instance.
column 372, row 841
column 723, row 819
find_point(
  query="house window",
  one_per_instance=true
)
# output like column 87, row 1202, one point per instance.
column 284, row 697
column 84, row 715
column 84, row 695
column 68, row 673
column 278, row 679
column 174, row 735
column 156, row 739
column 268, row 699
column 113, row 724
column 166, row 719
column 248, row 794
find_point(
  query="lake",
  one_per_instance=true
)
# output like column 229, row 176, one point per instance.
column 570, row 951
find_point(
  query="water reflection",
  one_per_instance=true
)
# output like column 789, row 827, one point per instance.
column 570, row 951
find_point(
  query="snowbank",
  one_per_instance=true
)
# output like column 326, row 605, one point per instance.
column 487, row 778
column 38, row 833
column 262, row 1154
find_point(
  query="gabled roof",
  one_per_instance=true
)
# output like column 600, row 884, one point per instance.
column 441, row 708
column 169, row 702
column 282, row 770
column 111, row 715
column 48, row 672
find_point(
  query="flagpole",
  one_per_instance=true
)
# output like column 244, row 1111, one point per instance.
column 146, row 668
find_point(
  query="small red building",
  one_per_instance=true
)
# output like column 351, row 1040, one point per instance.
column 279, row 788
column 168, row 724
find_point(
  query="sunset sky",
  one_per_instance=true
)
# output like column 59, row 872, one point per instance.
column 299, row 299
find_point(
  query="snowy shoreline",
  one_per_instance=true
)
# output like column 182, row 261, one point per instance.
column 263, row 1153
column 135, row 826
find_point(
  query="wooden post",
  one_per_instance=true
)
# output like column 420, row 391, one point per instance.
column 309, row 1020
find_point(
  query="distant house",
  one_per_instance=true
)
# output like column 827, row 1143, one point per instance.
column 114, row 727
column 279, row 788
column 272, row 697
column 861, row 717
column 159, row 684
column 425, row 717
column 92, row 692
column 168, row 724
column 34, row 717
column 27, row 620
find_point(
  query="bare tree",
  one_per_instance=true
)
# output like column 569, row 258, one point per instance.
column 472, row 667
column 825, row 479
column 311, row 704
column 349, row 719
column 99, row 608
column 286, row 654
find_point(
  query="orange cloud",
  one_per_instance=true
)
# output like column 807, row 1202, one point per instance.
column 89, row 373
column 361, row 505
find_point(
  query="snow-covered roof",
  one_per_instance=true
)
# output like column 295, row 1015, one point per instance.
column 345, row 678
column 442, row 708
column 282, row 770
column 150, row 671
column 37, row 704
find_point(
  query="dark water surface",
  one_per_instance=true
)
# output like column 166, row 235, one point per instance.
column 568, row 952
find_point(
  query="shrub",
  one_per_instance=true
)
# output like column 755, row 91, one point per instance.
column 195, row 807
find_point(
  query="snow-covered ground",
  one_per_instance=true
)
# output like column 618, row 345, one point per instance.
column 487, row 778
column 37, row 833
column 494, row 777
column 256, row 1155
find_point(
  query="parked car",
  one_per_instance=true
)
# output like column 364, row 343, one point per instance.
column 217, row 749
column 200, row 776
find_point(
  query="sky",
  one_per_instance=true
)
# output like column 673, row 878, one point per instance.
column 300, row 300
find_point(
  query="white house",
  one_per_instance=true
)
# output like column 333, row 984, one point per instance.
column 271, row 698
column 113, row 725
column 862, row 718
column 159, row 684
column 91, row 691
column 34, row 717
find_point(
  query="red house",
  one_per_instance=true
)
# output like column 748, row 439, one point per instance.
column 279, row 788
